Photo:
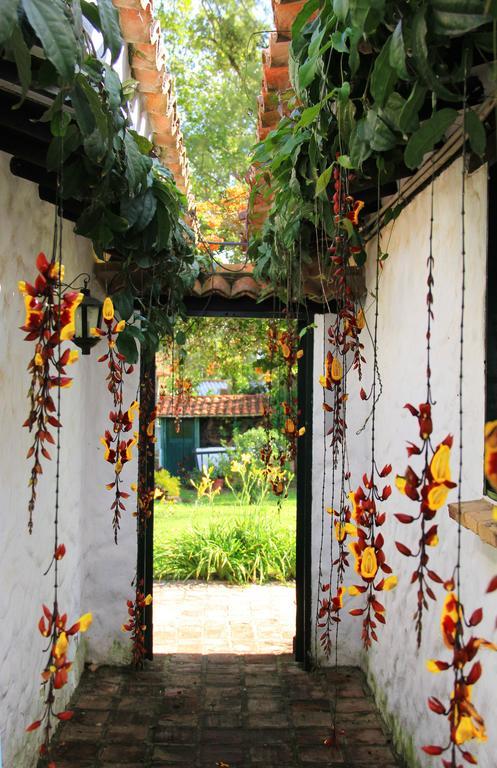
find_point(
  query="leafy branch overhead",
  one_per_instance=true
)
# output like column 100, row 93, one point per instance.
column 377, row 85
column 130, row 206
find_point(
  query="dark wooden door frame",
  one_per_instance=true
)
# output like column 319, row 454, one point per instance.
column 248, row 308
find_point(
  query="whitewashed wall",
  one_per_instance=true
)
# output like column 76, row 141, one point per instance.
column 394, row 666
column 95, row 574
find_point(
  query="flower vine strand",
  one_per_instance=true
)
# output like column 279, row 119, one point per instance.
column 464, row 720
column 50, row 315
column 368, row 551
column 429, row 489
column 118, row 447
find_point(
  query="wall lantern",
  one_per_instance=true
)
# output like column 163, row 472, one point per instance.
column 88, row 316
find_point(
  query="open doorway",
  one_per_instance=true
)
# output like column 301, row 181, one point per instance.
column 287, row 610
column 225, row 510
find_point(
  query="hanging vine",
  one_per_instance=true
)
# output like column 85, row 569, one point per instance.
column 430, row 489
column 118, row 447
column 49, row 321
column 464, row 720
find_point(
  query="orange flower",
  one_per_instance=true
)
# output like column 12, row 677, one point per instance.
column 369, row 564
column 440, row 464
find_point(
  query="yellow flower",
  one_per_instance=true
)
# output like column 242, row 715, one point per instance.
column 401, row 483
column 437, row 496
column 369, row 563
column 431, row 666
column 148, row 600
column 352, row 499
column 85, row 621
column 285, row 350
column 120, row 326
column 440, row 464
column 360, row 320
column 390, row 583
column 354, row 591
column 134, row 487
column 336, row 369
column 342, row 529
column 73, row 356
column 469, row 729
column 289, row 426
column 133, row 408
column 301, row 431
column 322, row 381
column 21, row 285
column 108, row 309
column 38, row 360
column 61, row 645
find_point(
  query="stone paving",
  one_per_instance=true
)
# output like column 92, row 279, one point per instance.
column 209, row 617
column 208, row 709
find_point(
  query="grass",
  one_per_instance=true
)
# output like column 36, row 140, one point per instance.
column 225, row 541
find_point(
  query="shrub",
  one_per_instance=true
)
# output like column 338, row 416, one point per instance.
column 239, row 552
column 167, row 483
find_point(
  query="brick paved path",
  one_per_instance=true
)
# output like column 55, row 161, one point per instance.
column 215, row 617
column 203, row 711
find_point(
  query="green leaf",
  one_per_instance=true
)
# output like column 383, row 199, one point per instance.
column 421, row 61
column 111, row 30
column 136, row 332
column 137, row 165
column 360, row 148
column 51, row 24
column 59, row 150
column 409, row 116
column 346, row 120
column 476, row 132
column 163, row 227
column 307, row 72
column 344, row 161
column 90, row 11
column 96, row 146
column 453, row 18
column 126, row 345
column 303, row 15
column 144, row 145
column 113, row 87
column 383, row 77
column 392, row 111
column 124, row 304
column 398, row 53
column 323, row 180
column 94, row 102
column 310, row 114
column 60, row 123
column 382, row 138
column 22, row 58
column 341, row 9
column 425, row 138
column 8, row 19
column 339, row 40
column 366, row 14
column 181, row 338
column 140, row 210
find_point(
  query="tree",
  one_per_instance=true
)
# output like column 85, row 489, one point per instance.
column 213, row 49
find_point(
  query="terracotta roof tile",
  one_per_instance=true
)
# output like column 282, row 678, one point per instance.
column 212, row 406
column 156, row 85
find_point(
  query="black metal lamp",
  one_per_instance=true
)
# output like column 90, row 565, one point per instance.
column 88, row 316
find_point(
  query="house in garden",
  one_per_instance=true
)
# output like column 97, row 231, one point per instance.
column 402, row 226
column 192, row 431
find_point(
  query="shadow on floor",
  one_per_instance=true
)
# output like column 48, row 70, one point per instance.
column 222, row 711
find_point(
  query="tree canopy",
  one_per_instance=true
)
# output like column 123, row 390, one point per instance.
column 214, row 52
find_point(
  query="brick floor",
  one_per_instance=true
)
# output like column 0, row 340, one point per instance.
column 201, row 617
column 249, row 706
column 208, row 710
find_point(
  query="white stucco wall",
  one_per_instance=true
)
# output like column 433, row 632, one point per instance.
column 95, row 574
column 394, row 666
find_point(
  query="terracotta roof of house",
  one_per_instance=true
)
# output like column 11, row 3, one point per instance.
column 212, row 405
column 156, row 85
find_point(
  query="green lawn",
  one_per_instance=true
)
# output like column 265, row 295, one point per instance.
column 173, row 519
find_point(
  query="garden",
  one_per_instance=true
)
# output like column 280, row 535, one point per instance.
column 238, row 530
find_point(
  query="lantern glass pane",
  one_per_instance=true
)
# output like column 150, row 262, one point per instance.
column 92, row 312
column 78, row 322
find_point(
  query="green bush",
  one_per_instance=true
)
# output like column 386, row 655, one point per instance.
column 167, row 483
column 239, row 552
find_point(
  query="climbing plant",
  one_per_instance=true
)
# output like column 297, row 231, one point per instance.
column 130, row 207
column 376, row 86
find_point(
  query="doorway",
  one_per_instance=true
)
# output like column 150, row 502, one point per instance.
column 246, row 308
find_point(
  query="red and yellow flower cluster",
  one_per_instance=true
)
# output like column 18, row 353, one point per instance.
column 136, row 625
column 465, row 722
column 49, row 320
column 288, row 344
column 429, row 491
column 118, row 450
column 368, row 554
